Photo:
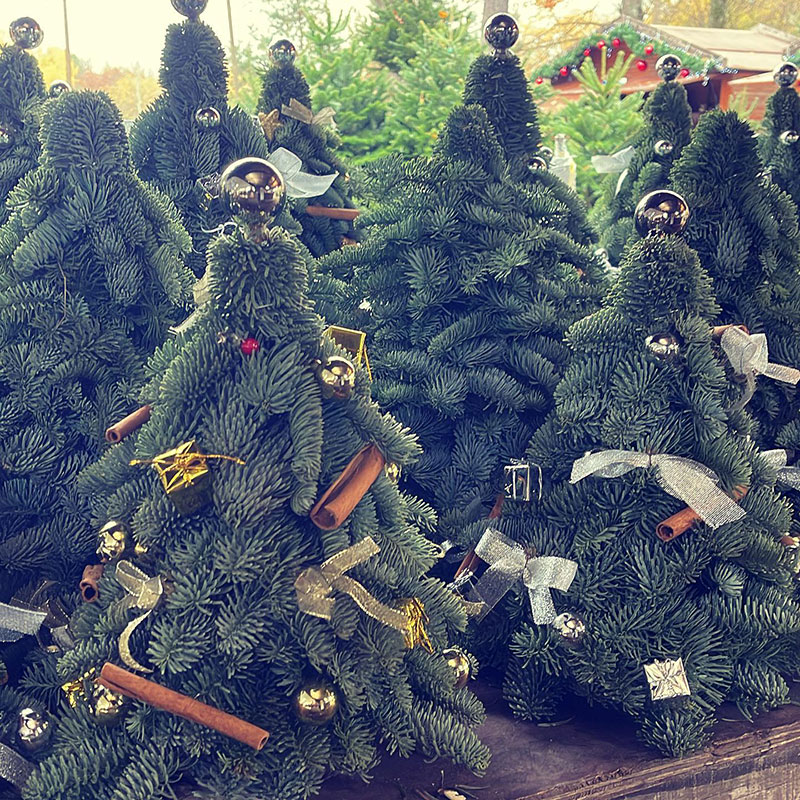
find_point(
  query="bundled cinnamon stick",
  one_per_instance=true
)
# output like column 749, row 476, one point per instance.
column 116, row 433
column 348, row 214
column 88, row 585
column 123, row 682
column 679, row 523
column 345, row 493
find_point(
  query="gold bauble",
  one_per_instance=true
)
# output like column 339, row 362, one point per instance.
column 33, row 730
column 316, row 702
column 105, row 706
column 393, row 472
column 337, row 377
column 113, row 539
column 459, row 664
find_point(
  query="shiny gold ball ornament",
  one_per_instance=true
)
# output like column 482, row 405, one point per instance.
column 393, row 472
column 785, row 74
column 33, row 730
column 190, row 8
column 26, row 33
column 251, row 188
column 459, row 664
column 663, row 345
column 316, row 702
column 207, row 117
column 282, row 52
column 668, row 67
column 113, row 539
column 337, row 377
column 661, row 212
column 570, row 627
column 663, row 147
column 537, row 164
column 789, row 137
column 6, row 135
column 57, row 88
column 501, row 32
column 105, row 706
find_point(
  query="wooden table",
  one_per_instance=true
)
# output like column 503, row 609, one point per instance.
column 597, row 757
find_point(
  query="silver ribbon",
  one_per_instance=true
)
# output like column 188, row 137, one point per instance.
column 299, row 183
column 786, row 476
column 13, row 767
column 508, row 563
column 616, row 162
column 683, row 478
column 749, row 356
column 296, row 110
column 16, row 622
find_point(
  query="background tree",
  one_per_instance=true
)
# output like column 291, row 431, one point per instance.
column 91, row 276
column 236, row 630
column 665, row 132
column 190, row 131
column 645, row 382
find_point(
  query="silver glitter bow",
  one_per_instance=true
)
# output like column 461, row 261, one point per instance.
column 749, row 356
column 13, row 767
column 299, row 183
column 296, row 110
column 16, row 622
column 785, row 475
column 508, row 563
column 683, row 478
column 616, row 162
column 144, row 593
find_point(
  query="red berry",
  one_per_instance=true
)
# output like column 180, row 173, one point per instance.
column 250, row 346
column 587, row 51
column 601, row 44
column 684, row 73
column 539, row 80
column 641, row 65
column 564, row 71
column 649, row 49
column 616, row 41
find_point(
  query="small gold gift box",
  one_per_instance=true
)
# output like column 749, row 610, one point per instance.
column 354, row 342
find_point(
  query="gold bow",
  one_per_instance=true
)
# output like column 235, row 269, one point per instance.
column 315, row 587
column 296, row 110
column 144, row 592
column 181, row 465
column 269, row 123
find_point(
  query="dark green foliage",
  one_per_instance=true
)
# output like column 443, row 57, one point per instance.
column 667, row 117
column 745, row 231
column 21, row 94
column 315, row 145
column 472, row 280
column 782, row 160
column 723, row 600
column 171, row 150
column 91, row 275
column 231, row 632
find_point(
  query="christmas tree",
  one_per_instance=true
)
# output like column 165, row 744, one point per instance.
column 780, row 142
column 657, row 145
column 190, row 132
column 471, row 281
column 286, row 605
column 745, row 231
column 91, row 275
column 323, row 205
column 21, row 94
column 636, row 580
column 498, row 83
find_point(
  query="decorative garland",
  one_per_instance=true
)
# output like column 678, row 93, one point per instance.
column 626, row 37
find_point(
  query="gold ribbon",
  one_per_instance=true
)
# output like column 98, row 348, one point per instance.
column 296, row 110
column 269, row 123
column 315, row 587
column 181, row 465
column 415, row 632
column 144, row 593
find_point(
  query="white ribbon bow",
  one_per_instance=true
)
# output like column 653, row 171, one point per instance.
column 683, row 478
column 786, row 476
column 299, row 183
column 508, row 563
column 616, row 162
column 302, row 113
column 16, row 622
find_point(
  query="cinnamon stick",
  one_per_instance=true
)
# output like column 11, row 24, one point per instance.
column 468, row 563
column 345, row 493
column 116, row 433
column 123, row 682
column 88, row 585
column 679, row 523
column 497, row 508
column 348, row 214
column 718, row 330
